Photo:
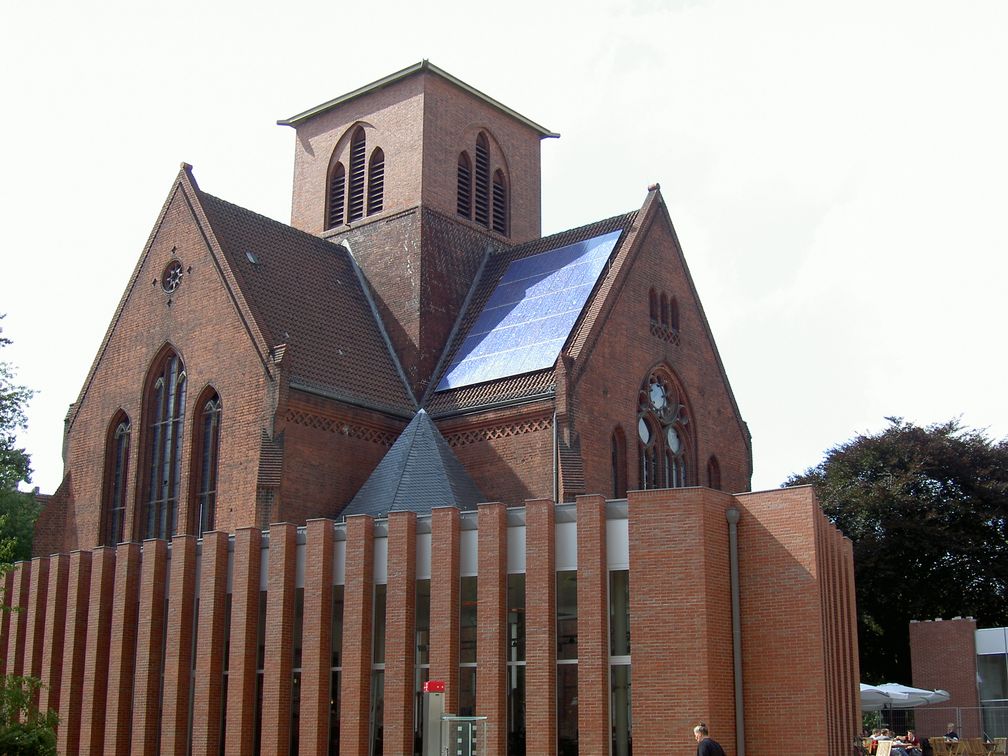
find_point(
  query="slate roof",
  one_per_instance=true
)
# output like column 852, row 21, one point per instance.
column 418, row 473
column 528, row 385
column 304, row 292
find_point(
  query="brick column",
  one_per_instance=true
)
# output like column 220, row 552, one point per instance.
column 5, row 616
column 241, row 703
column 400, row 633
column 491, row 618
column 444, row 602
column 316, row 641
column 96, row 651
column 209, row 689
column 540, row 626
column 179, row 647
column 593, row 626
column 358, row 597
column 55, row 628
column 150, row 651
column 278, row 667
column 122, row 650
column 74, row 650
column 19, row 620
column 35, row 621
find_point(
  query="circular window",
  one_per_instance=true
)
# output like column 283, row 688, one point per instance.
column 659, row 397
column 171, row 279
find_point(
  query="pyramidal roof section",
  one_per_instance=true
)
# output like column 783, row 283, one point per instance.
column 418, row 473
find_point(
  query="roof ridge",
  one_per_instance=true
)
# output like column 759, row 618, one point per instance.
column 586, row 229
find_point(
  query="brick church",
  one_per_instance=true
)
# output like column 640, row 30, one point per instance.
column 408, row 438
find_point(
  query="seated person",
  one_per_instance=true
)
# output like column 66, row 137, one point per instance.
column 911, row 742
column 951, row 734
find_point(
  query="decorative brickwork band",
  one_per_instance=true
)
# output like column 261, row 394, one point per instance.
column 342, row 427
column 96, row 652
column 122, row 650
column 491, row 618
column 278, row 664
column 316, row 643
column 540, row 625
column 241, row 703
column 55, row 629
column 208, row 693
column 358, row 596
column 150, row 648
column 400, row 633
column 445, row 602
column 74, row 649
column 476, row 435
column 178, row 648
column 592, row 625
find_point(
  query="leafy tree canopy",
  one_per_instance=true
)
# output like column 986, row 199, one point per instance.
column 926, row 510
column 18, row 511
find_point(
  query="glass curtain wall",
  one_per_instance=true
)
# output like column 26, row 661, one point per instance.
column 619, row 661
column 467, row 650
column 567, row 658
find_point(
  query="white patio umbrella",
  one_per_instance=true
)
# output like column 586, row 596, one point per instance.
column 873, row 699
column 905, row 697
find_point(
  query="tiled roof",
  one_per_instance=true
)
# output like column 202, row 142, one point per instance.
column 521, row 386
column 418, row 473
column 304, row 293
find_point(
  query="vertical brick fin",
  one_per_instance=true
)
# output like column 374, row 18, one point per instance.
column 316, row 643
column 207, row 703
column 19, row 619
column 179, row 647
column 593, row 625
column 400, row 633
column 150, row 648
column 5, row 619
column 943, row 655
column 358, row 598
column 850, row 630
column 122, row 650
column 55, row 627
column 241, row 703
column 444, row 602
column 278, row 666
column 491, row 618
column 74, row 650
column 96, row 651
column 38, row 587
column 540, row 626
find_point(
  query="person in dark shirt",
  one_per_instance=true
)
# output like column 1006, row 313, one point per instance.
column 705, row 745
column 951, row 734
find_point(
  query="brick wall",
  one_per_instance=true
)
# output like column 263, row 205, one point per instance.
column 943, row 655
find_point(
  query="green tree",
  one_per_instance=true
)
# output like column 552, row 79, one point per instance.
column 926, row 510
column 23, row 729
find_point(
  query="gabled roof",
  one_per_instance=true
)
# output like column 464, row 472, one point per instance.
column 418, row 473
column 305, row 295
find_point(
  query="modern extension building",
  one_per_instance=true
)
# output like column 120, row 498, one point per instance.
column 407, row 438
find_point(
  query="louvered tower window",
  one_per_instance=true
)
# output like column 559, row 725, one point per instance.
column 355, row 204
column 164, row 413
column 336, row 196
column 376, row 182
column 116, row 467
column 464, row 201
column 482, row 209
column 206, row 448
column 500, row 204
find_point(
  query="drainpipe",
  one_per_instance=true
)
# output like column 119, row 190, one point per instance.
column 732, row 515
column 556, row 465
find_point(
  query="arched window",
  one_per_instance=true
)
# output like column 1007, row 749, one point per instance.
column 653, row 305
column 355, row 205
column 117, row 446
column 619, row 484
column 482, row 210
column 662, row 433
column 674, row 314
column 664, row 310
column 713, row 473
column 206, row 446
column 464, row 194
column 376, row 181
column 500, row 203
column 164, row 413
column 336, row 196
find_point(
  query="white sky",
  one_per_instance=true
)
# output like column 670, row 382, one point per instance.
column 836, row 172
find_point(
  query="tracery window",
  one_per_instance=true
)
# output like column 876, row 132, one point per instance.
column 482, row 192
column 349, row 194
column 663, row 439
column 116, row 468
column 164, row 414
column 358, row 149
column 206, row 448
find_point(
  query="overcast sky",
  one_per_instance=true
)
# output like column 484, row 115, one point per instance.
column 837, row 173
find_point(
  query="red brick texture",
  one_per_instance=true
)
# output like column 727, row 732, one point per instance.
column 122, row 649
column 74, row 650
column 150, row 648
column 96, row 652
column 445, row 603
column 179, row 647
column 241, row 703
column 278, row 666
column 358, row 603
column 316, row 645
column 208, row 694
column 5, row 619
column 55, row 628
column 400, row 633
column 540, row 627
column 593, row 626
column 18, row 594
column 943, row 655
column 38, row 586
column 491, row 619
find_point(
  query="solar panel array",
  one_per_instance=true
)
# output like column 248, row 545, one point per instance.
column 527, row 319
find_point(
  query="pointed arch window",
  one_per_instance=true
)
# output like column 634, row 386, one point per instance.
column 500, row 203
column 376, row 182
column 653, row 305
column 358, row 151
column 463, row 200
column 619, row 475
column 206, row 448
column 663, row 434
column 164, row 413
column 482, row 208
column 713, row 473
column 336, row 196
column 664, row 310
column 117, row 446
column 673, row 314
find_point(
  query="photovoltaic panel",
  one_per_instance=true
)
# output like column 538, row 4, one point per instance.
column 527, row 319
